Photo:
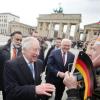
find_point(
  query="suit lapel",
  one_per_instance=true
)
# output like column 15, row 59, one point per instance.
column 25, row 70
column 37, row 73
column 68, row 56
column 19, row 52
column 6, row 52
column 35, row 69
column 68, row 64
column 59, row 57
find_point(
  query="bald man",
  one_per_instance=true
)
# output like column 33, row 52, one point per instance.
column 58, row 63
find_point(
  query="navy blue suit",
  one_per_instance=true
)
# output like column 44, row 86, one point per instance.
column 18, row 80
column 55, row 64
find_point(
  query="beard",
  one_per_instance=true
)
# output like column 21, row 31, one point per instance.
column 17, row 46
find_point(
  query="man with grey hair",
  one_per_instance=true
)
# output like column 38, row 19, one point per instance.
column 8, row 52
column 57, row 64
column 22, row 75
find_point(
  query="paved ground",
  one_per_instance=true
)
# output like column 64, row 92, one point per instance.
column 75, row 51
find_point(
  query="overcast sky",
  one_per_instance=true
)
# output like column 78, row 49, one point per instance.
column 28, row 10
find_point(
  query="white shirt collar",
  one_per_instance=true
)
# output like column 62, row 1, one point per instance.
column 11, row 50
column 65, row 56
column 27, row 61
column 63, row 52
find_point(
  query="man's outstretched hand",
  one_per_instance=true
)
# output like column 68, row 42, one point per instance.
column 45, row 89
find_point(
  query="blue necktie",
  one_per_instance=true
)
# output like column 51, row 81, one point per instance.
column 32, row 69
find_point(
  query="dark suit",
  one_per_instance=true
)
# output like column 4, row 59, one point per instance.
column 55, row 64
column 73, row 94
column 5, row 52
column 4, row 56
column 18, row 80
column 48, row 53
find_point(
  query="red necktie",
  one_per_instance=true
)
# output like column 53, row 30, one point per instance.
column 63, row 58
column 14, row 53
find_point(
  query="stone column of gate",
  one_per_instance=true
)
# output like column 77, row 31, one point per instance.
column 84, row 35
column 39, row 28
column 76, row 33
column 60, row 32
column 44, row 31
column 68, row 31
column 89, row 35
column 51, row 30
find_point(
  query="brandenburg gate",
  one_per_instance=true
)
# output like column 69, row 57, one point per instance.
column 47, row 22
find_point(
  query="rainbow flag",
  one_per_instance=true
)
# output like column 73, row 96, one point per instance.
column 85, row 67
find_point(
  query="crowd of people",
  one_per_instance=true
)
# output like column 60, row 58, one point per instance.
column 22, row 62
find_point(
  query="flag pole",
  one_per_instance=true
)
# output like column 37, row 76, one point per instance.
column 73, row 66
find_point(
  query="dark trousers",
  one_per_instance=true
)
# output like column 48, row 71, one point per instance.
column 59, row 90
column 4, row 95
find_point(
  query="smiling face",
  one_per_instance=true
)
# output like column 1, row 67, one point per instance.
column 31, row 52
column 65, row 45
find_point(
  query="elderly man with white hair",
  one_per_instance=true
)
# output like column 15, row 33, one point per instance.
column 57, row 64
column 22, row 79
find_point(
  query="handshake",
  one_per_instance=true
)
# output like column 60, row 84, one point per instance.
column 69, row 81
